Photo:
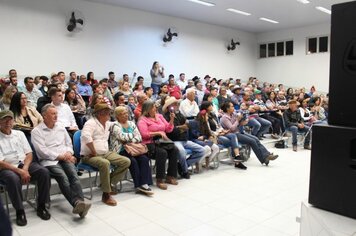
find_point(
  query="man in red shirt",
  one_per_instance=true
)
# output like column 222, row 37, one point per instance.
column 141, row 98
column 173, row 89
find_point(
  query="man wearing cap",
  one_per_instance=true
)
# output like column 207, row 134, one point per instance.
column 189, row 107
column 180, row 137
column 95, row 152
column 295, row 123
column 236, row 97
column 17, row 168
column 54, row 149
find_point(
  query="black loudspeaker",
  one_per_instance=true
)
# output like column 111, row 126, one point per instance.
column 333, row 169
column 343, row 65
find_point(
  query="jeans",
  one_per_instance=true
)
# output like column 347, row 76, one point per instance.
column 198, row 152
column 103, row 162
column 140, row 169
column 259, row 126
column 68, row 181
column 228, row 140
column 260, row 150
column 14, row 186
column 155, row 88
column 294, row 129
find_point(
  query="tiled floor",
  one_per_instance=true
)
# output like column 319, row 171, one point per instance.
column 260, row 201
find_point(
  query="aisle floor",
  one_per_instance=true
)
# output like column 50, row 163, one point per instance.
column 260, row 201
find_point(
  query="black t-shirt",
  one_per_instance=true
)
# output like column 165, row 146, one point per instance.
column 177, row 134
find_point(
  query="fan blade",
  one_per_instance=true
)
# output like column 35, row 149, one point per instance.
column 232, row 41
column 175, row 34
column 165, row 39
column 80, row 21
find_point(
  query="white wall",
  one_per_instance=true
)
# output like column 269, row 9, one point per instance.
column 300, row 69
column 35, row 41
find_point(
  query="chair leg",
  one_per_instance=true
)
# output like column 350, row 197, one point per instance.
column 6, row 201
column 28, row 200
column 90, row 187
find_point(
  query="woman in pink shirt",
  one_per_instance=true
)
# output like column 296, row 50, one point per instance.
column 152, row 125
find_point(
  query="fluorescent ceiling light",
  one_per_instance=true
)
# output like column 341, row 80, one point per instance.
column 208, row 4
column 238, row 11
column 304, row 1
column 323, row 9
column 269, row 20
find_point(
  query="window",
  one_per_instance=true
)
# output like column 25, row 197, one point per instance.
column 280, row 49
column 312, row 48
column 263, row 50
column 271, row 49
column 317, row 44
column 289, row 48
column 323, row 44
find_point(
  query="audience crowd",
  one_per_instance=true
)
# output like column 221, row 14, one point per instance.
column 124, row 125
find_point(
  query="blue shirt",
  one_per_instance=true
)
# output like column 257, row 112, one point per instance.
column 84, row 89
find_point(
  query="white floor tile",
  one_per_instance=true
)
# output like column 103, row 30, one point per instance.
column 259, row 201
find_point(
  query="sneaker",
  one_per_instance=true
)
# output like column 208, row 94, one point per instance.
column 186, row 175
column 241, row 166
column 21, row 218
column 238, row 158
column 146, row 191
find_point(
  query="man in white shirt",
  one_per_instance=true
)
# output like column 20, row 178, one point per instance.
column 189, row 107
column 95, row 152
column 32, row 93
column 182, row 82
column 17, row 168
column 54, row 149
column 65, row 114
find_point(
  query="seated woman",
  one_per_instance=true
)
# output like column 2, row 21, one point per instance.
column 318, row 110
column 209, row 127
column 305, row 112
column 233, row 121
column 26, row 117
column 138, row 88
column 7, row 96
column 153, row 125
column 125, row 89
column 76, row 104
column 95, row 99
column 124, row 131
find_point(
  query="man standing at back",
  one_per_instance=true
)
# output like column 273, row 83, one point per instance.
column 55, row 151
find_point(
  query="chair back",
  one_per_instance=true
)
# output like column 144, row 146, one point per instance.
column 76, row 143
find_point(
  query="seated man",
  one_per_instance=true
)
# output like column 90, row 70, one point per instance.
column 95, row 152
column 295, row 123
column 180, row 137
column 119, row 100
column 17, row 168
column 141, row 98
column 189, row 107
column 65, row 115
column 55, row 151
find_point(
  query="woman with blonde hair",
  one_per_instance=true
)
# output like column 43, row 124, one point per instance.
column 7, row 96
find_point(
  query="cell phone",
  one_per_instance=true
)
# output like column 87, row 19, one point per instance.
column 171, row 109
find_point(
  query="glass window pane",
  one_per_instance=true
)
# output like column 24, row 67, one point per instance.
column 271, row 50
column 312, row 45
column 323, row 44
column 280, row 49
column 263, row 50
column 289, row 47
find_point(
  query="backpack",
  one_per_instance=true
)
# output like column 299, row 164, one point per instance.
column 280, row 144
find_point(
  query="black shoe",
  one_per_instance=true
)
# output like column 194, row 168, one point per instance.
column 21, row 218
column 238, row 158
column 179, row 169
column 43, row 213
column 185, row 175
column 241, row 166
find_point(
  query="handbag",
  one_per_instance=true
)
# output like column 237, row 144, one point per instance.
column 135, row 149
column 165, row 144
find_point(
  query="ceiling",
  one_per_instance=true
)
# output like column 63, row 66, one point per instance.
column 289, row 13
